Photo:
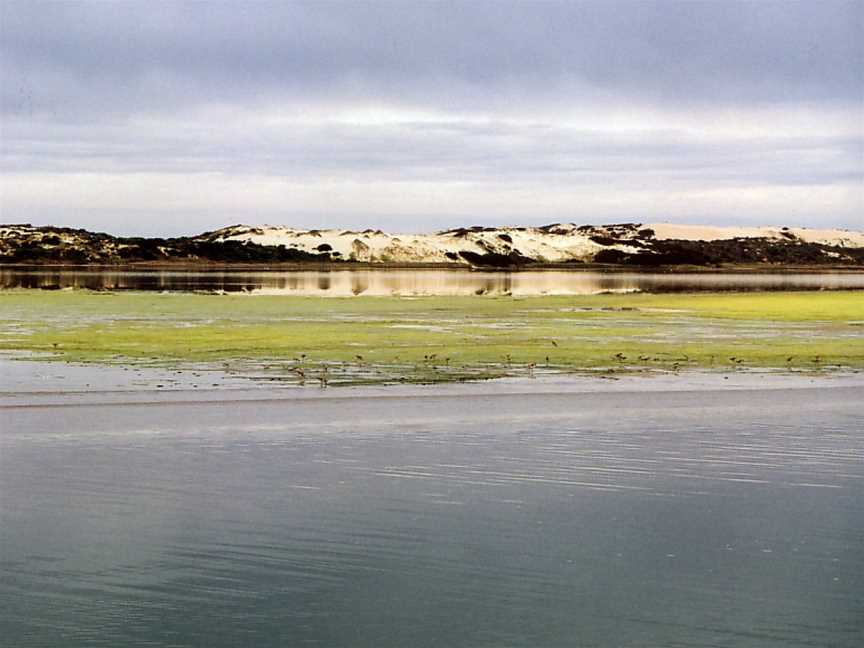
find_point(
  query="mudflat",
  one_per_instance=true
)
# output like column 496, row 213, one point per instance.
column 307, row 341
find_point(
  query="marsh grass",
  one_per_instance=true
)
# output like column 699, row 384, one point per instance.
column 440, row 339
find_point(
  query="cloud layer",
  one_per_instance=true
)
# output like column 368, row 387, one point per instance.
column 172, row 117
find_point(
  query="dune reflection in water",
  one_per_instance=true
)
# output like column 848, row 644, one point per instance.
column 383, row 282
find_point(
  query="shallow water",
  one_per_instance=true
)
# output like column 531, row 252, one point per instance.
column 663, row 518
column 340, row 283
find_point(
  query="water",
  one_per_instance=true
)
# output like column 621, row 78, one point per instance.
column 461, row 519
column 339, row 283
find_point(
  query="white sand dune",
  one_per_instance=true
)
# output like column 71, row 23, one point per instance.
column 552, row 243
column 838, row 237
column 559, row 243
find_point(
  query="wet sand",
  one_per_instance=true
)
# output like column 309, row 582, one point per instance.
column 25, row 383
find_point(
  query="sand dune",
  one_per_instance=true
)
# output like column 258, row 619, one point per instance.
column 549, row 244
column 621, row 244
column 836, row 237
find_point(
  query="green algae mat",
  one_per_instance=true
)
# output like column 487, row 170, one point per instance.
column 438, row 339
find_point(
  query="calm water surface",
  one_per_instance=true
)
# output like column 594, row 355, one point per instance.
column 702, row 518
column 338, row 283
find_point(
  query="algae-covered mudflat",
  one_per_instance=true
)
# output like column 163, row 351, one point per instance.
column 307, row 340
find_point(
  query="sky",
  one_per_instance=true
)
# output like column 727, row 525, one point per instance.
column 160, row 118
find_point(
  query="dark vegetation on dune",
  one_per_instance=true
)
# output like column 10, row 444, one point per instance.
column 98, row 247
column 734, row 251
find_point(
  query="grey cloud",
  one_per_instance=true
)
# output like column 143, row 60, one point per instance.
column 86, row 58
column 116, row 89
column 490, row 152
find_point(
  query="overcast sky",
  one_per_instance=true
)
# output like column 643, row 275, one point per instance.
column 164, row 118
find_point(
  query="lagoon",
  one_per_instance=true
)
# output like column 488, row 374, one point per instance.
column 166, row 480
column 439, row 516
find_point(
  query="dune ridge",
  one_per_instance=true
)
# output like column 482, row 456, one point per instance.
column 633, row 244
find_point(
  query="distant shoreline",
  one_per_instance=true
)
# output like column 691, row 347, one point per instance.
column 348, row 266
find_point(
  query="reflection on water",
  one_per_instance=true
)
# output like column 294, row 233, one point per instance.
column 545, row 521
column 343, row 283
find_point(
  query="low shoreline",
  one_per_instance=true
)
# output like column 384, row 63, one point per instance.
column 349, row 266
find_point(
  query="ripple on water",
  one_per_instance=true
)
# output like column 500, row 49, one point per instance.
column 702, row 519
